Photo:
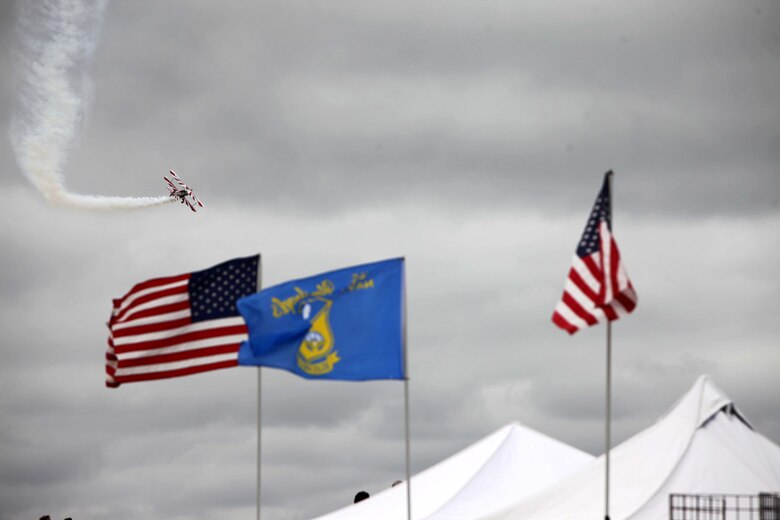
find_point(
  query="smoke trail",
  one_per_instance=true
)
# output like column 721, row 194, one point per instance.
column 56, row 40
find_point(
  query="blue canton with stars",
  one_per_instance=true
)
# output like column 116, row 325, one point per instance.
column 589, row 243
column 214, row 291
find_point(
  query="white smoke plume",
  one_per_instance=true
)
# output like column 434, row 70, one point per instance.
column 56, row 39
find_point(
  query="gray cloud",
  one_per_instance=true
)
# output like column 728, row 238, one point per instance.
column 492, row 114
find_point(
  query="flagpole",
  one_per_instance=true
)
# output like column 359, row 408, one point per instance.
column 259, row 395
column 259, row 435
column 406, row 410
column 408, row 455
column 607, row 432
column 608, row 421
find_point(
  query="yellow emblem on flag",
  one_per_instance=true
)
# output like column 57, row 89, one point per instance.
column 315, row 353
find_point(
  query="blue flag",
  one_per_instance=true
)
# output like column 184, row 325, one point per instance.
column 345, row 324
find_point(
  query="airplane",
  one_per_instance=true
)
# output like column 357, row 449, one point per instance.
column 183, row 193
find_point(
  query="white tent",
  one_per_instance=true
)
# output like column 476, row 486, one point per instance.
column 703, row 445
column 487, row 476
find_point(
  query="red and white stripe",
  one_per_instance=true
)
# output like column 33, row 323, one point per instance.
column 152, row 335
column 597, row 288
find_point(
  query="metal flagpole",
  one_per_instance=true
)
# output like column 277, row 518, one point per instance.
column 408, row 457
column 406, row 411
column 259, row 430
column 608, row 421
column 259, row 395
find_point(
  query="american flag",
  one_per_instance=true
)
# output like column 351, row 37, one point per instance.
column 597, row 287
column 180, row 325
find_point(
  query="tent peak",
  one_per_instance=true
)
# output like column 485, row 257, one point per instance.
column 702, row 402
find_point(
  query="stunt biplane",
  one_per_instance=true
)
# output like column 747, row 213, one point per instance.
column 182, row 193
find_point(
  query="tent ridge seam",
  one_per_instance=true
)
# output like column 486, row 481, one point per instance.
column 510, row 428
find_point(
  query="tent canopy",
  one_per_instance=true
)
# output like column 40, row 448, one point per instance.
column 487, row 476
column 702, row 445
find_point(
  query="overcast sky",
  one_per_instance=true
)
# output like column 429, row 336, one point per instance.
column 470, row 138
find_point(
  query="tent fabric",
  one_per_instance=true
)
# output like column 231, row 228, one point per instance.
column 725, row 457
column 702, row 445
column 487, row 476
column 526, row 463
